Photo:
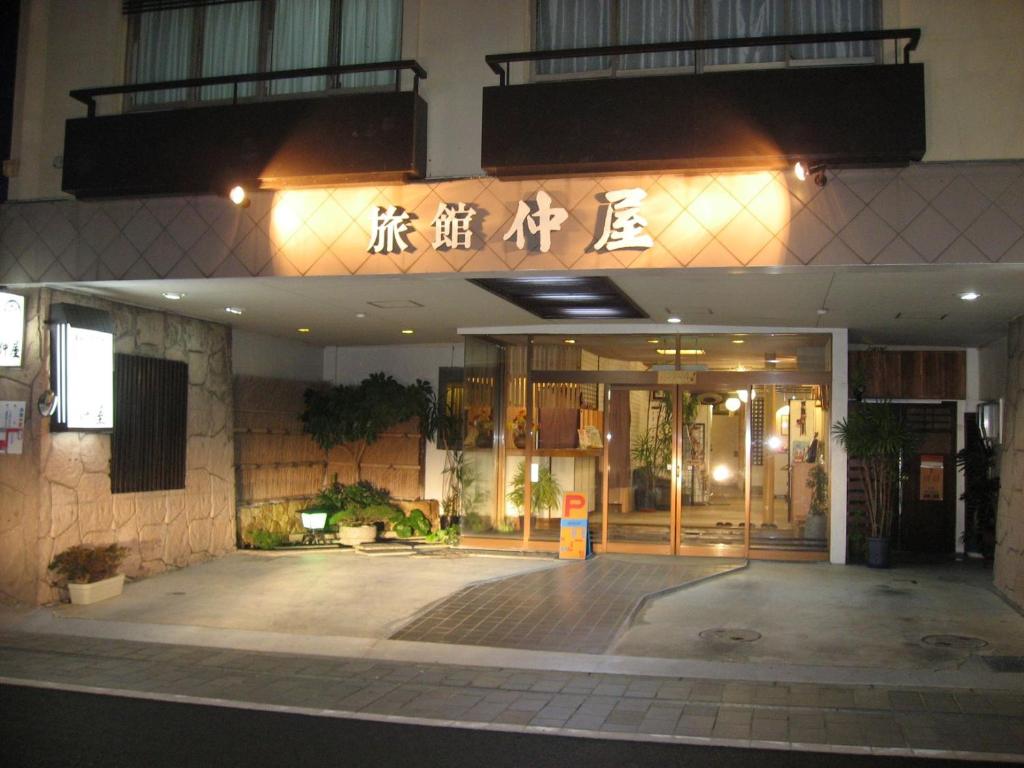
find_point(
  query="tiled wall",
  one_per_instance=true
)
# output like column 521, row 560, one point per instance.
column 1009, row 562
column 926, row 213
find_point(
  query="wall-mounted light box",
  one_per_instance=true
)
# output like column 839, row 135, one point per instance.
column 82, row 367
column 990, row 421
column 12, row 329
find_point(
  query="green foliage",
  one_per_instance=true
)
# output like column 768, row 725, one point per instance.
column 84, row 563
column 817, row 482
column 449, row 536
column 476, row 523
column 356, row 414
column 414, row 524
column 545, row 493
column 875, row 437
column 980, row 496
column 263, row 539
column 356, row 504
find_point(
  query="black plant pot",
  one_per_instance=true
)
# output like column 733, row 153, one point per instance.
column 878, row 552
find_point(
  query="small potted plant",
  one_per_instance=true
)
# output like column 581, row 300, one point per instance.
column 355, row 509
column 90, row 572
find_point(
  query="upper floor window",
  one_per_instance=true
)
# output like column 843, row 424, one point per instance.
column 208, row 38
column 591, row 23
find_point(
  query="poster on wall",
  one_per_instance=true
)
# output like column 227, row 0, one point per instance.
column 12, row 329
column 932, row 469
column 12, row 426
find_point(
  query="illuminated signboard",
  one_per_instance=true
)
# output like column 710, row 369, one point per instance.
column 12, row 329
column 82, row 367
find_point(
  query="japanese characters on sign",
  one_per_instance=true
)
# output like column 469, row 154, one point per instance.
column 12, row 329
column 622, row 225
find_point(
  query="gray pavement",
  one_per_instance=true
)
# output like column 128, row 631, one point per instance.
column 840, row 663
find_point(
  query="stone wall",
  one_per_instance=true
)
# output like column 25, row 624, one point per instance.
column 57, row 493
column 1009, row 560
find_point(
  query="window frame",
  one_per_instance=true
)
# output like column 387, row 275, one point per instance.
column 267, row 13
column 701, row 22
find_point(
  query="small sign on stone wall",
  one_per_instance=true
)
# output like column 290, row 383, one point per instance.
column 12, row 425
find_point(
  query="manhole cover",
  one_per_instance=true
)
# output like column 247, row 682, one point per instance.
column 731, row 635
column 955, row 642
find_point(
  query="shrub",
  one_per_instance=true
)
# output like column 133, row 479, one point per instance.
column 449, row 536
column 416, row 524
column 263, row 539
column 84, row 563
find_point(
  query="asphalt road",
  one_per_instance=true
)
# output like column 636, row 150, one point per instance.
column 40, row 727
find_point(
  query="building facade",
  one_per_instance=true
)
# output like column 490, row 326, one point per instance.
column 649, row 307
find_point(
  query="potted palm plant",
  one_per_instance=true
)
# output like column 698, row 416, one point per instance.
column 876, row 438
column 817, row 482
column 90, row 572
column 545, row 491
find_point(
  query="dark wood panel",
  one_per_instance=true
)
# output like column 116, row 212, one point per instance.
column 149, row 442
column 207, row 150
column 915, row 374
column 846, row 115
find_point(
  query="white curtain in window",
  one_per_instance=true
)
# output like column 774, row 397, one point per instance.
column 656, row 21
column 164, row 52
column 573, row 24
column 301, row 30
column 231, row 41
column 371, row 30
column 744, row 18
column 808, row 16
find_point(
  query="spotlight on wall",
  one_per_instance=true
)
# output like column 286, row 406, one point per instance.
column 732, row 404
column 804, row 170
column 721, row 473
column 239, row 197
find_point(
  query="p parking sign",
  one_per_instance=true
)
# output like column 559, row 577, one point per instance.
column 574, row 537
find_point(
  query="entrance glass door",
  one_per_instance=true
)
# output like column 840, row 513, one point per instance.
column 641, row 439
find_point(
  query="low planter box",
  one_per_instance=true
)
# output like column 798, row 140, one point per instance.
column 86, row 594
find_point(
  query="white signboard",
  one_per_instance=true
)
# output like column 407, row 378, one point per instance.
column 12, row 425
column 90, row 379
column 12, row 329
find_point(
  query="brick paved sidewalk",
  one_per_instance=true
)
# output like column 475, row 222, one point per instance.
column 884, row 720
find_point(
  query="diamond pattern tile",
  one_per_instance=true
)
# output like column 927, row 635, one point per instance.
column 953, row 212
column 961, row 203
column 867, row 234
column 994, row 232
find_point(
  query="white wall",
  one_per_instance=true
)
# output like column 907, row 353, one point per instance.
column 253, row 354
column 992, row 360
column 406, row 362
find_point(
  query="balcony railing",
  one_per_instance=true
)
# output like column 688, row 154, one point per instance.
column 498, row 62
column 88, row 96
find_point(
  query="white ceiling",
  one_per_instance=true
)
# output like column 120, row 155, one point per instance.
column 880, row 305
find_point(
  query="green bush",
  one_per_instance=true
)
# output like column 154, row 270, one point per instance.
column 262, row 539
column 415, row 524
column 85, row 564
column 476, row 523
column 449, row 536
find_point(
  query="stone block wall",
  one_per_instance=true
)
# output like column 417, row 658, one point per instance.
column 1009, row 558
column 58, row 491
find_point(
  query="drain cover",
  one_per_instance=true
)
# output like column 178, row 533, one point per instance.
column 955, row 642
column 731, row 635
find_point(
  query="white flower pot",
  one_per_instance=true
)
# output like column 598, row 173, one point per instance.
column 86, row 594
column 353, row 535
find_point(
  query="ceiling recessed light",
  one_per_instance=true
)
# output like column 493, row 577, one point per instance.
column 674, row 320
column 302, row 330
column 408, row 331
column 173, row 295
column 360, row 315
column 687, row 352
column 970, row 296
column 238, row 196
column 234, row 310
column 654, row 341
column 570, row 341
column 738, row 341
column 822, row 311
